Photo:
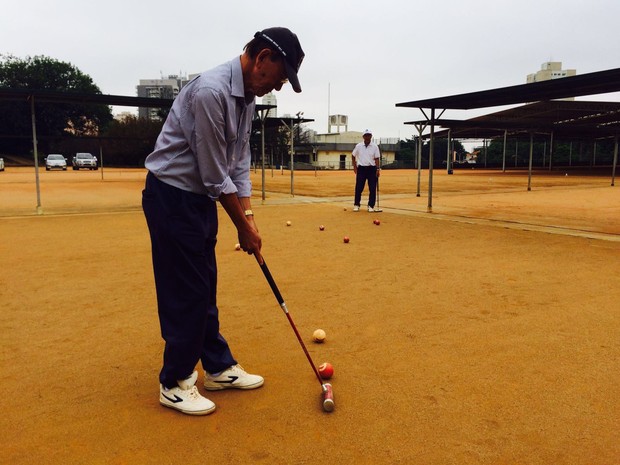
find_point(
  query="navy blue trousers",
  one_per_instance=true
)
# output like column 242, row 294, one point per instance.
column 366, row 173
column 183, row 229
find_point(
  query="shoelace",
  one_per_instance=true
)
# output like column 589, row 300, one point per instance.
column 193, row 393
column 237, row 368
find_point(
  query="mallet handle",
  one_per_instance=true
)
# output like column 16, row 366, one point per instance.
column 272, row 283
column 276, row 292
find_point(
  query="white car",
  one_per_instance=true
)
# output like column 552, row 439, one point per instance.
column 55, row 161
column 84, row 160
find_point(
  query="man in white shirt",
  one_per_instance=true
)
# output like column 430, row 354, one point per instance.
column 366, row 166
column 201, row 156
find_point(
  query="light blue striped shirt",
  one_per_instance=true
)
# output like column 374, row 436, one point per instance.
column 204, row 145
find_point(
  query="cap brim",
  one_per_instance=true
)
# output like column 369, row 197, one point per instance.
column 291, row 74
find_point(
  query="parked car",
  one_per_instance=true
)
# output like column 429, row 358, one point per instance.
column 84, row 160
column 55, row 161
column 1, row 164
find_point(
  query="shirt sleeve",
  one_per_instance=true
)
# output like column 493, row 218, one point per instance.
column 240, row 174
column 210, row 142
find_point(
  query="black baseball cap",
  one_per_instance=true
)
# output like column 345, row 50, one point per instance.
column 287, row 43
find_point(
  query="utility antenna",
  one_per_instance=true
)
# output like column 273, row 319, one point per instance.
column 328, row 105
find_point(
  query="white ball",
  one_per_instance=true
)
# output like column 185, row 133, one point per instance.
column 318, row 335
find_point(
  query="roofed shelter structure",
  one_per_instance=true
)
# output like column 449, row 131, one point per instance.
column 556, row 118
column 586, row 117
column 274, row 122
column 53, row 96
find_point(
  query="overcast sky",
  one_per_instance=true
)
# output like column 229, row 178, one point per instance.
column 370, row 55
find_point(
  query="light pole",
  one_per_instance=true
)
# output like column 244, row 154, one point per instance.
column 299, row 115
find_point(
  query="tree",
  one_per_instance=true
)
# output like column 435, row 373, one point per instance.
column 565, row 152
column 407, row 154
column 440, row 151
column 128, row 140
column 54, row 120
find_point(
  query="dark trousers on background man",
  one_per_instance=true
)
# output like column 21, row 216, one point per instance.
column 366, row 173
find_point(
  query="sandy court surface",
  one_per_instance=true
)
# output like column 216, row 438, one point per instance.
column 486, row 332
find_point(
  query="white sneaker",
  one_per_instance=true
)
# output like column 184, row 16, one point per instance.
column 186, row 398
column 356, row 208
column 234, row 377
column 371, row 209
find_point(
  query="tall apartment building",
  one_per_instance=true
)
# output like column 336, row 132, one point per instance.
column 270, row 99
column 550, row 70
column 158, row 88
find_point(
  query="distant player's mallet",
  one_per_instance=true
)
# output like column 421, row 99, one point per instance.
column 327, row 393
column 378, row 208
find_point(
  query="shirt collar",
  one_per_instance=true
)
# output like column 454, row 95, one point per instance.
column 238, row 89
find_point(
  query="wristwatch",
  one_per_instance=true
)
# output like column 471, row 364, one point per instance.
column 249, row 213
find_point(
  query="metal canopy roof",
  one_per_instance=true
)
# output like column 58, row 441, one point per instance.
column 600, row 82
column 574, row 118
column 581, row 119
column 57, row 96
column 281, row 121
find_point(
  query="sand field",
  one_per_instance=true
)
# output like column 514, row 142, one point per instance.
column 483, row 332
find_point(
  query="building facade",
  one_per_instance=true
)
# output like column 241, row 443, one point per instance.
column 158, row 88
column 270, row 99
column 333, row 150
column 550, row 70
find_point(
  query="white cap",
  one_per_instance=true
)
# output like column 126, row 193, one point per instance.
column 367, row 131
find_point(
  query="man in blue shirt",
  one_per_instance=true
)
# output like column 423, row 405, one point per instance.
column 201, row 156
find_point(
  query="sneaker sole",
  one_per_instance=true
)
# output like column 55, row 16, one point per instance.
column 221, row 387
column 188, row 412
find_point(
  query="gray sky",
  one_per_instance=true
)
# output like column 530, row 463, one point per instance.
column 369, row 54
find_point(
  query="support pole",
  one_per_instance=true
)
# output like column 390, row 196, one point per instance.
column 448, row 157
column 419, row 158
column 429, row 207
column 504, row 155
column 101, row 160
column 551, row 151
column 36, row 156
column 529, row 171
column 292, row 161
column 262, row 151
column 615, row 163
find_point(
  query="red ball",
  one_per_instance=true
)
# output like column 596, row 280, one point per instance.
column 321, row 227
column 326, row 370
column 377, row 222
column 346, row 239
